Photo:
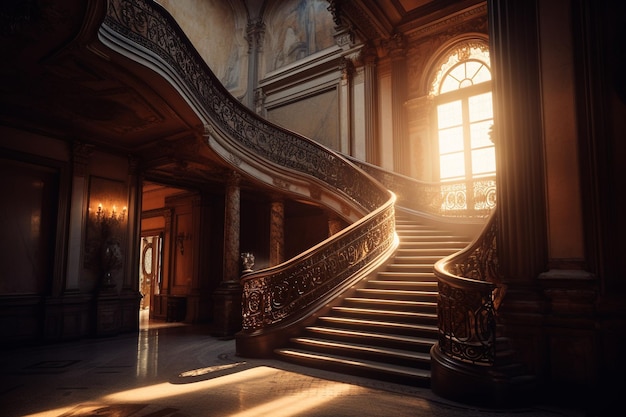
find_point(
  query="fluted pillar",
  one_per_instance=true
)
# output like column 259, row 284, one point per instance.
column 346, row 106
column 277, row 232
column 518, row 140
column 227, row 297
column 401, row 156
column 372, row 149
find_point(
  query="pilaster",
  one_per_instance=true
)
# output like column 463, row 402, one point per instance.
column 277, row 232
column 372, row 150
column 396, row 47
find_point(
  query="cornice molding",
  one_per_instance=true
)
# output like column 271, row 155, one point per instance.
column 478, row 11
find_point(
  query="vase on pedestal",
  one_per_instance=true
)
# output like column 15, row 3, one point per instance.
column 247, row 259
column 111, row 261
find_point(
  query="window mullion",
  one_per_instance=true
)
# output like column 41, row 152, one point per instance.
column 467, row 143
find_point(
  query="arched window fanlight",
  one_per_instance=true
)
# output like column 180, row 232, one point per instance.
column 475, row 68
column 464, row 115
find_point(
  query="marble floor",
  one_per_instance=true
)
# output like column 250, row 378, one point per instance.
column 178, row 370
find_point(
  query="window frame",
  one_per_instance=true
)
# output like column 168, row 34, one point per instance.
column 463, row 94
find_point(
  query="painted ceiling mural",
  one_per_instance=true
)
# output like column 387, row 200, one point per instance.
column 218, row 32
column 297, row 29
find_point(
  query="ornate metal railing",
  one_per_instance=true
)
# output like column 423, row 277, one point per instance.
column 252, row 145
column 288, row 290
column 470, row 290
column 475, row 198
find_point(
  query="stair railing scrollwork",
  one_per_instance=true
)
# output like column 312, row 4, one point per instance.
column 278, row 296
column 288, row 290
column 475, row 198
column 470, row 291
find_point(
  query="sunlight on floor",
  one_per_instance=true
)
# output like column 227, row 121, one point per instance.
column 295, row 405
column 278, row 404
column 167, row 389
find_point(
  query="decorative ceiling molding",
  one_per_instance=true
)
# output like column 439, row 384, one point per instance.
column 470, row 14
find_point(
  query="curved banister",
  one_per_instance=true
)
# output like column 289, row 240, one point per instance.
column 470, row 290
column 275, row 297
column 290, row 289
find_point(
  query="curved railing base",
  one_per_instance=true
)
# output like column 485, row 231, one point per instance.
column 263, row 342
column 478, row 385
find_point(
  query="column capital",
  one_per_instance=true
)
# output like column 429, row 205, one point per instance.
column 255, row 35
column 234, row 178
column 396, row 46
column 369, row 54
column 346, row 66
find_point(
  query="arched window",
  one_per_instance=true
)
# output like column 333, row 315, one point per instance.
column 464, row 116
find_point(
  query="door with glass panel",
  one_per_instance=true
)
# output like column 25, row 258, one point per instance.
column 150, row 268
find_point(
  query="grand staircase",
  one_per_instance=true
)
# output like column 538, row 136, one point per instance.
column 385, row 329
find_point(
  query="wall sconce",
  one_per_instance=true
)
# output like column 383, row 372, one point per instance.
column 107, row 219
column 101, row 214
column 105, row 250
column 180, row 239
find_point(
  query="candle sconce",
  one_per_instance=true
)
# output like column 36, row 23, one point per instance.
column 105, row 219
column 180, row 241
column 105, row 248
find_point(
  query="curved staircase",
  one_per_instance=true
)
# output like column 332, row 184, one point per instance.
column 385, row 328
column 357, row 302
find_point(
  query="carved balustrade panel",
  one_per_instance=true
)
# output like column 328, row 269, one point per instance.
column 466, row 323
column 271, row 296
column 470, row 290
column 481, row 262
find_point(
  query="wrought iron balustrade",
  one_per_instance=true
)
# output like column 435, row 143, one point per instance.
column 470, row 290
column 475, row 198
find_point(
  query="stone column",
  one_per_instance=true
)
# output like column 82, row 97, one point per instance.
column 277, row 232
column 345, row 106
column 227, row 297
column 518, row 138
column 232, row 213
column 401, row 149
column 372, row 149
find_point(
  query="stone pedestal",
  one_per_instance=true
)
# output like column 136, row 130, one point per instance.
column 227, row 318
column 108, row 315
